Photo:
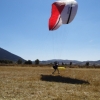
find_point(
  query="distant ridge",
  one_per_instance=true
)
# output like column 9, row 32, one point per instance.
column 68, row 61
column 6, row 55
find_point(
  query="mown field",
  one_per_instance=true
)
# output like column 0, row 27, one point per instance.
column 37, row 83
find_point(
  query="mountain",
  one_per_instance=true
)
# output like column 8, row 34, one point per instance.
column 60, row 61
column 6, row 55
column 68, row 62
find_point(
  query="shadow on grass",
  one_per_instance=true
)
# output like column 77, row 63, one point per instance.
column 62, row 79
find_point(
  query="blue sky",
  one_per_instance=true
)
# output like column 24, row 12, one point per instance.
column 24, row 31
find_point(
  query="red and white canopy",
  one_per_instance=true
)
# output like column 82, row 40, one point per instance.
column 63, row 12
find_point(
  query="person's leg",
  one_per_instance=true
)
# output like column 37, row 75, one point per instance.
column 58, row 71
column 54, row 71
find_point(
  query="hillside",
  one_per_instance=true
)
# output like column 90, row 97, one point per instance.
column 6, row 55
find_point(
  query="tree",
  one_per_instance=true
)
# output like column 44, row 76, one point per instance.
column 19, row 61
column 62, row 63
column 70, row 63
column 37, row 62
column 87, row 64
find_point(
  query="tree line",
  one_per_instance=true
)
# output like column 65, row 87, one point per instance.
column 37, row 62
column 6, row 61
column 28, row 62
column 19, row 62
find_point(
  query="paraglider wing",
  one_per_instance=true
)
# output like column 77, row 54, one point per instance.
column 69, row 11
column 63, row 12
column 55, row 20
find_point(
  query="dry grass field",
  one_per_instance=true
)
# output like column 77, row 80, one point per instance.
column 37, row 83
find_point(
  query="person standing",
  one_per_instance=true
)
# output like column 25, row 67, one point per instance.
column 55, row 66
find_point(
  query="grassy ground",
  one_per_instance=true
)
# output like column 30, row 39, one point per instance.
column 37, row 83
